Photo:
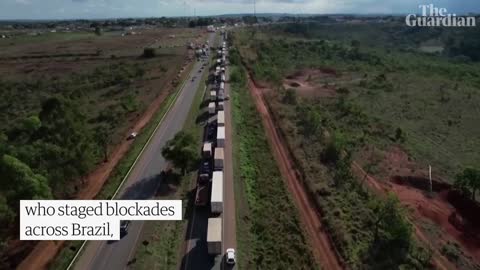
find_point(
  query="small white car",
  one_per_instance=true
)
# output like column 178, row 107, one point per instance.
column 132, row 136
column 230, row 256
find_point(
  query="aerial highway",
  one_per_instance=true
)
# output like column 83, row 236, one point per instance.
column 196, row 253
column 143, row 181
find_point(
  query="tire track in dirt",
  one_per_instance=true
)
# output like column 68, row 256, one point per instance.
column 320, row 242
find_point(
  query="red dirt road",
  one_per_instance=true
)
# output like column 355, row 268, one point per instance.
column 437, row 209
column 45, row 251
column 320, row 242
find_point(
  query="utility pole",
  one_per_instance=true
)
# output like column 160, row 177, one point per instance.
column 255, row 8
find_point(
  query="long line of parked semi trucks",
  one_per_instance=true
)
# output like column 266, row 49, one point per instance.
column 211, row 177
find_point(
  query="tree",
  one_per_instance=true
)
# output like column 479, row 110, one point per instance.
column 7, row 216
column 21, row 182
column 392, row 232
column 98, row 31
column 468, row 182
column 103, row 138
column 333, row 151
column 310, row 121
column 31, row 124
column 181, row 151
column 290, row 97
column 399, row 135
column 149, row 52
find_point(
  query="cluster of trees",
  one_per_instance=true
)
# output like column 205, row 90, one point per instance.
column 204, row 21
column 468, row 182
column 43, row 152
column 182, row 152
column 463, row 44
column 53, row 133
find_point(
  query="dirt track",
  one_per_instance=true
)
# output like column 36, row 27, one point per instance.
column 437, row 209
column 321, row 245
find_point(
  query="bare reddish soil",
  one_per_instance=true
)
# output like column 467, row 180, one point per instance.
column 321, row 245
column 445, row 207
column 45, row 251
column 304, row 82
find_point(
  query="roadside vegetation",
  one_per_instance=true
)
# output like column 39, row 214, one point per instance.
column 342, row 103
column 56, row 129
column 269, row 231
column 118, row 174
column 425, row 102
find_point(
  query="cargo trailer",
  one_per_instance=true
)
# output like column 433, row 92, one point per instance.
column 207, row 149
column 221, row 118
column 221, row 137
column 213, row 95
column 216, row 199
column 219, row 158
column 214, row 236
column 211, row 108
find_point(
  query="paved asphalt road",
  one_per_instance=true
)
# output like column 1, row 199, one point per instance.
column 196, row 254
column 142, row 183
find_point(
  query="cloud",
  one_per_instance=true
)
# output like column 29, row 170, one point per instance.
column 23, row 2
column 258, row 1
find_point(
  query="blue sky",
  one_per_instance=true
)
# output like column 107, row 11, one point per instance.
column 88, row 9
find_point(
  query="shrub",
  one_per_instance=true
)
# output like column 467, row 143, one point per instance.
column 149, row 52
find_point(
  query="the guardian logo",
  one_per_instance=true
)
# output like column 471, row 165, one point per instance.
column 432, row 16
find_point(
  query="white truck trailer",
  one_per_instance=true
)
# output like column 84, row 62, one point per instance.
column 221, row 118
column 207, row 149
column 213, row 95
column 219, row 157
column 214, row 236
column 211, row 108
column 216, row 200
column 221, row 137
